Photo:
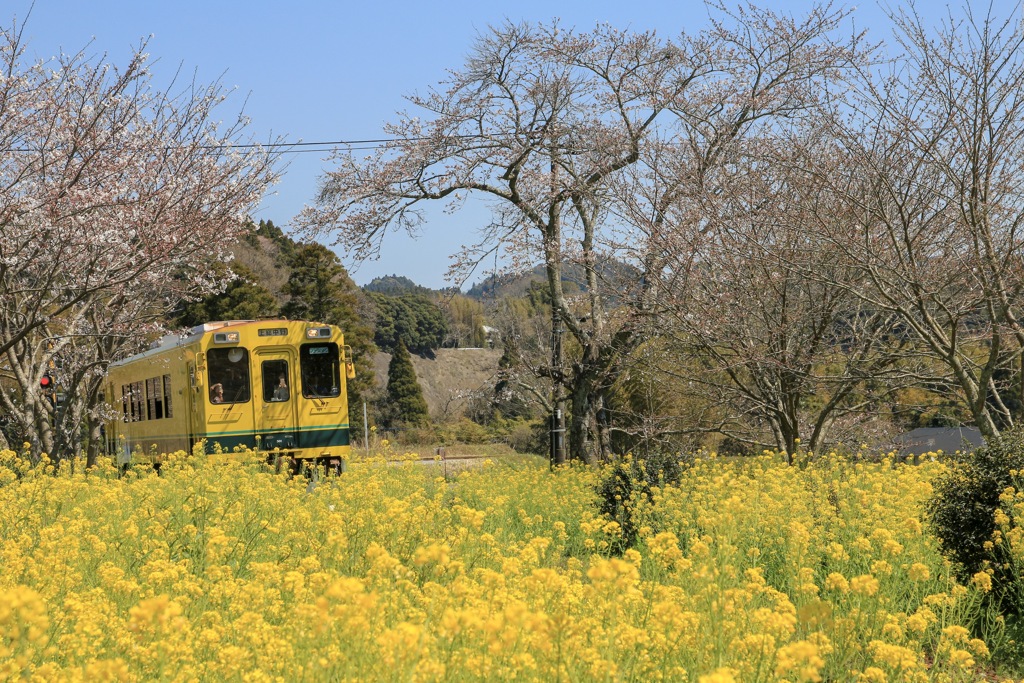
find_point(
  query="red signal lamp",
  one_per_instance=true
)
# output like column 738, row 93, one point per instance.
column 46, row 382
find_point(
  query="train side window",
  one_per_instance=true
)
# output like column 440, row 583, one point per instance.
column 125, row 401
column 228, row 372
column 136, row 395
column 154, row 399
column 319, row 366
column 275, row 381
column 167, row 396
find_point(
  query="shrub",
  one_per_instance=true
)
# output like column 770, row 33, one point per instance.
column 464, row 430
column 529, row 436
column 629, row 479
column 521, row 434
column 963, row 505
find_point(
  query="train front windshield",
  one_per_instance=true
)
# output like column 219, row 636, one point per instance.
column 229, row 375
column 320, row 367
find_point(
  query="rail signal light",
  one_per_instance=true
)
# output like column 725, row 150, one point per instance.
column 47, row 385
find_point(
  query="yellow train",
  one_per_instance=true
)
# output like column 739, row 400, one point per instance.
column 275, row 385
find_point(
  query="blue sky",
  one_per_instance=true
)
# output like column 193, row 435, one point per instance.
column 322, row 70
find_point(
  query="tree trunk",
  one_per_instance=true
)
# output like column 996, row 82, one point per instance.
column 579, row 428
column 95, row 442
column 42, row 437
column 586, row 395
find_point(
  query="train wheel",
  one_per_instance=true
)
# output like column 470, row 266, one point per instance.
column 331, row 467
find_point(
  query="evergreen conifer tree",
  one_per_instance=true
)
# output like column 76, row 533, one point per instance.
column 320, row 290
column 243, row 299
column 404, row 400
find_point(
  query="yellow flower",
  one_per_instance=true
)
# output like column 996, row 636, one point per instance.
column 154, row 613
column 664, row 547
column 872, row 674
column 960, row 659
column 837, row 552
column 799, row 661
column 894, row 656
column 978, row 647
column 865, row 585
column 982, row 581
column 720, row 675
column 22, row 617
column 919, row 572
column 837, row 582
column 881, row 568
column 921, row 620
column 232, row 571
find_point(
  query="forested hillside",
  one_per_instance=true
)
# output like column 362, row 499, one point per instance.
column 666, row 395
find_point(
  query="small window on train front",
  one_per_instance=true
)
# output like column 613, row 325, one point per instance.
column 275, row 381
column 228, row 374
column 320, row 370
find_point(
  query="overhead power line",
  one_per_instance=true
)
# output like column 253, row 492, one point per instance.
column 373, row 141
column 293, row 147
column 369, row 143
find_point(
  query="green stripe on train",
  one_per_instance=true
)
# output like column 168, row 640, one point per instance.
column 307, row 438
column 316, row 428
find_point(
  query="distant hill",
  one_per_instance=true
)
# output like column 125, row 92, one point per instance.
column 517, row 284
column 395, row 285
column 514, row 284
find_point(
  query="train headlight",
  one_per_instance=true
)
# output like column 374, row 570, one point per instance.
column 225, row 338
column 318, row 333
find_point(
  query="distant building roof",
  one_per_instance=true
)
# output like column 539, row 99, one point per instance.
column 946, row 439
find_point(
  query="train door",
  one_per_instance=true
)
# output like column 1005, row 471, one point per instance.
column 277, row 414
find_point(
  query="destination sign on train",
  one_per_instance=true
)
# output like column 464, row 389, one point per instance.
column 273, row 332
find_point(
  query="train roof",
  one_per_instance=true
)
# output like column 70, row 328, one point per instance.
column 175, row 340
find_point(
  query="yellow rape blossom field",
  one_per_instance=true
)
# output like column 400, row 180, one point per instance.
column 745, row 571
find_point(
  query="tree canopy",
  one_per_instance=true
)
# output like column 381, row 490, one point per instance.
column 590, row 145
column 116, row 199
column 242, row 299
column 412, row 319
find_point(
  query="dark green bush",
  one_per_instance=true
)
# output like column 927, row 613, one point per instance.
column 628, row 479
column 963, row 505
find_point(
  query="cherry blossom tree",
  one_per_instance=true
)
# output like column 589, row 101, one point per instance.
column 552, row 126
column 931, row 157
column 789, row 350
column 115, row 197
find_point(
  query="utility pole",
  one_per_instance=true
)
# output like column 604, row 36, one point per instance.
column 557, row 455
column 557, row 399
column 366, row 431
